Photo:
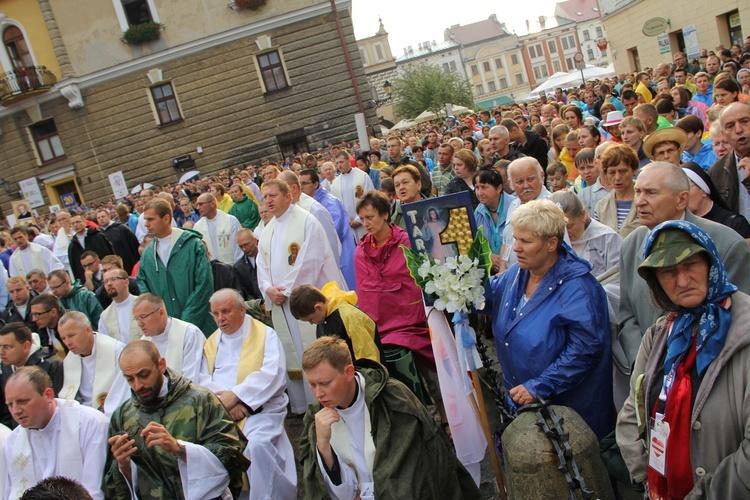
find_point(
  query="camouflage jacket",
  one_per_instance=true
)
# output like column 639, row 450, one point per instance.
column 190, row 413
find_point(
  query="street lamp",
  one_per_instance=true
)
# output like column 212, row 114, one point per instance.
column 388, row 87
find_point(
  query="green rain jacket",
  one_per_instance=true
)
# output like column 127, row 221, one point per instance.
column 413, row 458
column 246, row 212
column 81, row 299
column 185, row 284
column 190, row 413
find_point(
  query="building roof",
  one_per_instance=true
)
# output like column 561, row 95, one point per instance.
column 425, row 50
column 475, row 32
column 578, row 10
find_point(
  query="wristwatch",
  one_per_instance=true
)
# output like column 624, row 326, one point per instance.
column 181, row 451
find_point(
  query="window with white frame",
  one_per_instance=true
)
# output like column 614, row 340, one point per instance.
column 514, row 59
column 541, row 71
column 503, row 83
column 363, row 56
column 480, row 89
column 552, row 46
column 499, row 63
column 272, row 71
column 572, row 41
column 487, row 67
column 569, row 63
column 536, row 51
column 453, row 66
column 556, row 66
column 474, row 69
column 564, row 41
column 491, row 86
column 519, row 78
column 379, row 51
column 599, row 32
column 590, row 53
column 134, row 12
column 586, row 35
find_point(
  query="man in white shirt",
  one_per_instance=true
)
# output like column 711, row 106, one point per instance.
column 54, row 437
column 117, row 319
column 62, row 240
column 293, row 250
column 30, row 255
column 349, row 187
column 219, row 230
column 141, row 230
column 90, row 367
column 244, row 365
column 180, row 342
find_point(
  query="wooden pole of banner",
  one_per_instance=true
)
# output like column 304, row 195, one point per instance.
column 478, row 403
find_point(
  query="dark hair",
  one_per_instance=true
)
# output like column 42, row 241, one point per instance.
column 89, row 253
column 629, row 94
column 619, row 153
column 586, row 155
column 311, row 173
column 303, row 300
column 386, row 186
column 594, row 131
column 20, row 331
column 488, row 176
column 690, row 123
column 19, row 229
column 56, row 488
column 376, row 200
column 664, row 106
column 47, row 300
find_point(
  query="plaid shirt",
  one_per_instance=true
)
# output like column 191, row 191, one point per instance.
column 441, row 178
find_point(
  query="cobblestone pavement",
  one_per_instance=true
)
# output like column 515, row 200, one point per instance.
column 488, row 486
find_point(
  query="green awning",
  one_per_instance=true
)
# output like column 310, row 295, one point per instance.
column 501, row 100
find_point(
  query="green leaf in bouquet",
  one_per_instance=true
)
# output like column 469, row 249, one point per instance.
column 413, row 261
column 480, row 250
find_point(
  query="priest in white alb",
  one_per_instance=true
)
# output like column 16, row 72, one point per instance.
column 117, row 319
column 349, row 187
column 219, row 230
column 90, row 367
column 180, row 342
column 62, row 239
column 244, row 365
column 293, row 251
column 29, row 255
column 54, row 437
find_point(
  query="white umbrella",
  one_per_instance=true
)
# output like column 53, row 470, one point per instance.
column 554, row 81
column 139, row 187
column 189, row 175
column 403, row 124
column 424, row 116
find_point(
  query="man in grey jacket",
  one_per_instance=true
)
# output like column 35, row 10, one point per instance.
column 661, row 194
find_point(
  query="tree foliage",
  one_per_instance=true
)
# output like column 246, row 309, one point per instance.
column 424, row 87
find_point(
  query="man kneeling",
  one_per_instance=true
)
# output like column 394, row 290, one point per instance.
column 368, row 433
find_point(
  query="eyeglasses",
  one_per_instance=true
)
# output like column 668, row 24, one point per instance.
column 56, row 287
column 6, row 347
column 36, row 315
column 112, row 280
column 143, row 317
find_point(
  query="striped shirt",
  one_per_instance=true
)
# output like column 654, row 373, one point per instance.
column 441, row 178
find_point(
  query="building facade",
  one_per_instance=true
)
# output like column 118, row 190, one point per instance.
column 492, row 60
column 690, row 26
column 380, row 69
column 591, row 35
column 151, row 92
column 550, row 50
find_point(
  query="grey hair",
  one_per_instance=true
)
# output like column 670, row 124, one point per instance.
column 499, row 129
column 672, row 176
column 150, row 298
column 37, row 272
column 569, row 202
column 519, row 162
column 77, row 317
column 228, row 293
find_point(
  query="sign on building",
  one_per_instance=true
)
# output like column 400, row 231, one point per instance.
column 692, row 48
column 663, row 41
column 31, row 192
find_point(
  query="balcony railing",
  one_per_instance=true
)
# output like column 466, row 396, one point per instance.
column 23, row 81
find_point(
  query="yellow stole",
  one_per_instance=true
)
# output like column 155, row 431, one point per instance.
column 251, row 356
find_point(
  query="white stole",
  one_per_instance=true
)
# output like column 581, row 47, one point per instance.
column 106, row 349
column 221, row 247
column 112, row 322
column 21, row 467
column 176, row 344
column 37, row 259
column 295, row 235
column 359, row 184
column 340, row 438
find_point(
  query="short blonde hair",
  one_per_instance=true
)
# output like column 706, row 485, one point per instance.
column 542, row 217
column 330, row 349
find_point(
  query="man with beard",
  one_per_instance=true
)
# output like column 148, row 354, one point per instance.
column 117, row 319
column 171, row 439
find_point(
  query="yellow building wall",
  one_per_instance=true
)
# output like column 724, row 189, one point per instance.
column 29, row 15
column 623, row 28
column 92, row 32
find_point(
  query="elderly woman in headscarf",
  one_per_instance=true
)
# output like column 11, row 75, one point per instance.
column 690, row 388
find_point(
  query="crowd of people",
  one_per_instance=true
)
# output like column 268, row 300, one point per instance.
column 153, row 346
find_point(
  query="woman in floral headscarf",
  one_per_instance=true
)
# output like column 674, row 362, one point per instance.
column 690, row 388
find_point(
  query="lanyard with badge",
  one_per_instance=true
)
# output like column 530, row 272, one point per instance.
column 657, row 449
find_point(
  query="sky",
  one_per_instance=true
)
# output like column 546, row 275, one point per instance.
column 409, row 22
